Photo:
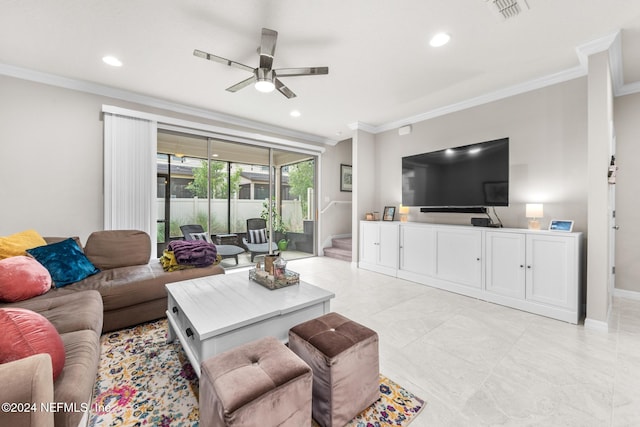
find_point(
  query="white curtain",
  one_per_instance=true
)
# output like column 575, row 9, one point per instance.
column 130, row 175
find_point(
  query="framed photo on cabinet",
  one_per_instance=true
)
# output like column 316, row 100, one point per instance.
column 389, row 213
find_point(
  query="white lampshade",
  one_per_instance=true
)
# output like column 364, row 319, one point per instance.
column 534, row 210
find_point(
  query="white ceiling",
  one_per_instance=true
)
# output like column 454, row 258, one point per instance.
column 381, row 67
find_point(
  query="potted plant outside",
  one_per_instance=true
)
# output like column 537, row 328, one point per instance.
column 278, row 227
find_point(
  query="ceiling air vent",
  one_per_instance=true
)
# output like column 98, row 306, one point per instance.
column 508, row 8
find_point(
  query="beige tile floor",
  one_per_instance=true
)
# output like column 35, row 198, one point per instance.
column 477, row 363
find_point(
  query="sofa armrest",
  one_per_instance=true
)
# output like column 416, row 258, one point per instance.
column 26, row 383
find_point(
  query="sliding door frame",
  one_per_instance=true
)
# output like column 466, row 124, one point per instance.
column 219, row 132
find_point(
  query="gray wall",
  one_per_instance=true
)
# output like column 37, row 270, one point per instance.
column 627, row 126
column 51, row 157
column 547, row 130
column 50, row 160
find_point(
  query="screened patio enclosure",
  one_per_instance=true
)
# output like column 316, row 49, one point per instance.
column 219, row 184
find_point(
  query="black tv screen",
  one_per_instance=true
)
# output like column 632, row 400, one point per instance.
column 475, row 175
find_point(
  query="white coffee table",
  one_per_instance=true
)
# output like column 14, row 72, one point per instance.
column 213, row 314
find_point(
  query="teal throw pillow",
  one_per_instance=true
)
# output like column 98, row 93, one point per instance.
column 65, row 261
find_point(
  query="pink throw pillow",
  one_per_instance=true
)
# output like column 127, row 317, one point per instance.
column 25, row 333
column 21, row 278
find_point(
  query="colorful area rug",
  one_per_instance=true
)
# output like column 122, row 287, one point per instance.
column 145, row 381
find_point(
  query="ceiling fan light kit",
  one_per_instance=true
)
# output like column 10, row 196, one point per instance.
column 265, row 78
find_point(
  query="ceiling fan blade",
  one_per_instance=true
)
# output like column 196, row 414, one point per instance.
column 283, row 89
column 308, row 71
column 267, row 48
column 214, row 58
column 236, row 87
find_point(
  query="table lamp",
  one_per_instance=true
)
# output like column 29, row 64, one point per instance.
column 534, row 211
column 404, row 213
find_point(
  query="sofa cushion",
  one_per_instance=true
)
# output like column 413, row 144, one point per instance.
column 21, row 278
column 127, row 286
column 18, row 243
column 86, row 307
column 51, row 240
column 25, row 333
column 118, row 248
column 78, row 377
column 65, row 261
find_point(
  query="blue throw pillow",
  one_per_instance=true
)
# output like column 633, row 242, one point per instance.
column 65, row 261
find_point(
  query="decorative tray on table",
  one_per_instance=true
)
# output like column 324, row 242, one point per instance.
column 271, row 282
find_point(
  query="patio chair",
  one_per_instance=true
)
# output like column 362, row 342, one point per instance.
column 189, row 229
column 257, row 240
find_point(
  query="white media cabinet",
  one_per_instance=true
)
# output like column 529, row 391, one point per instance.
column 535, row 271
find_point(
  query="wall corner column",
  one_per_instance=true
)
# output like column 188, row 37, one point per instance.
column 364, row 174
column 599, row 121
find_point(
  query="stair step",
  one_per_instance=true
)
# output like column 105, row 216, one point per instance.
column 342, row 243
column 338, row 253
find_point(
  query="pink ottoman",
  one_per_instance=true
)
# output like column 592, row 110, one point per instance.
column 344, row 357
column 261, row 383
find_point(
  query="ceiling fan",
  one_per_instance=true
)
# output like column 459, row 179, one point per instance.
column 264, row 77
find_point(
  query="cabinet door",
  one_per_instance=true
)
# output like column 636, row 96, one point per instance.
column 369, row 242
column 505, row 261
column 552, row 270
column 458, row 256
column 417, row 249
column 388, row 245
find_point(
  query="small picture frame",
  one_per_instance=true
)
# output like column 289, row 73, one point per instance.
column 389, row 213
column 561, row 225
column 346, row 178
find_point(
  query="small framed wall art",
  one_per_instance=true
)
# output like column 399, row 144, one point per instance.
column 346, row 178
column 389, row 213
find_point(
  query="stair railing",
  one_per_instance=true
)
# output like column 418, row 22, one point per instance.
column 333, row 203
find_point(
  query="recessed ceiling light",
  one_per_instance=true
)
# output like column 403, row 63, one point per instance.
column 215, row 155
column 112, row 60
column 440, row 39
column 295, row 113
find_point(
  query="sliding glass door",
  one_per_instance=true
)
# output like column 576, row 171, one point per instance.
column 220, row 184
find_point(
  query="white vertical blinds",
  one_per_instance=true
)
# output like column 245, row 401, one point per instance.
column 130, row 174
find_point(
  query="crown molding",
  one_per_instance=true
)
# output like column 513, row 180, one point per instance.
column 596, row 46
column 125, row 95
column 363, row 126
column 610, row 42
column 628, row 89
column 570, row 74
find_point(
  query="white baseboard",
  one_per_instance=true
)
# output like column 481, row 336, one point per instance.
column 596, row 325
column 623, row 293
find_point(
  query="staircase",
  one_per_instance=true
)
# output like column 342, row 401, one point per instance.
column 340, row 249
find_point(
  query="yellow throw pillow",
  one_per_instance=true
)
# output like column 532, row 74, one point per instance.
column 18, row 243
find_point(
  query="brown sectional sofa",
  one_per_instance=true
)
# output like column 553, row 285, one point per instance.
column 127, row 291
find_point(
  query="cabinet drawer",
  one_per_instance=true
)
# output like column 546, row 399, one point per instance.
column 187, row 333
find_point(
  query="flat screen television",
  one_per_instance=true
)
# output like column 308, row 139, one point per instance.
column 475, row 175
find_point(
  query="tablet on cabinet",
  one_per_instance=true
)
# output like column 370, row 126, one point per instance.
column 561, row 225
